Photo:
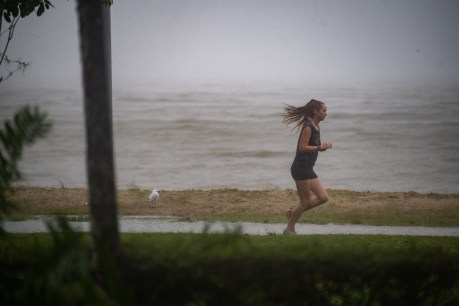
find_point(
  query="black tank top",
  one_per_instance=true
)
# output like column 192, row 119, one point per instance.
column 314, row 140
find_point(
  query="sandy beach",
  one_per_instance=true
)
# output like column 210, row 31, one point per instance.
column 344, row 207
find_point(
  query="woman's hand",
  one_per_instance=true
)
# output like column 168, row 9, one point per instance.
column 326, row 145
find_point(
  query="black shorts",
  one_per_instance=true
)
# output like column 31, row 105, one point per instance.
column 302, row 170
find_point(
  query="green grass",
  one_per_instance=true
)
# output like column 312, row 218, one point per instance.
column 305, row 244
column 233, row 269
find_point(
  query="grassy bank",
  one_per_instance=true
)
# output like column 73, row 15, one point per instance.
column 231, row 269
column 372, row 208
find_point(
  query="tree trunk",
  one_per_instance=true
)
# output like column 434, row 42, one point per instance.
column 94, row 21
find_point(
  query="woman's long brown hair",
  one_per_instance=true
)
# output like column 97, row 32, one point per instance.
column 301, row 114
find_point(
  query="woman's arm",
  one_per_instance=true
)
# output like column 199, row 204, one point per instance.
column 304, row 142
column 304, row 146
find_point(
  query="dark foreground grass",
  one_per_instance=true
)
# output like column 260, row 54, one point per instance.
column 232, row 269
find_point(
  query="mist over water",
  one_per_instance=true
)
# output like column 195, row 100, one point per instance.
column 212, row 135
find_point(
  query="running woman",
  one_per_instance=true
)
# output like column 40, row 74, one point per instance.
column 307, row 118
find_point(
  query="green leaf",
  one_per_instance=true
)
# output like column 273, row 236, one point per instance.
column 15, row 11
column 41, row 9
column 7, row 17
column 3, row 138
column 23, row 12
column 49, row 3
column 28, row 125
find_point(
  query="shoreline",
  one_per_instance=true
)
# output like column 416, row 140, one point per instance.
column 20, row 185
column 269, row 206
column 267, row 189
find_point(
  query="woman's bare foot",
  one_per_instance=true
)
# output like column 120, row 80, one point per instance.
column 288, row 231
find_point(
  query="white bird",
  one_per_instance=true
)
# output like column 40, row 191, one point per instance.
column 154, row 196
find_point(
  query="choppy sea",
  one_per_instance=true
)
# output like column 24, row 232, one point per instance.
column 208, row 135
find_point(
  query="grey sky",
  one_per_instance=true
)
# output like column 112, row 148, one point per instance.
column 330, row 40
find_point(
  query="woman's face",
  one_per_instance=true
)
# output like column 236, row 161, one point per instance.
column 321, row 113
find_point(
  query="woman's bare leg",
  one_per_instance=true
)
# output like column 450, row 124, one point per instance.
column 321, row 194
column 305, row 188
column 304, row 192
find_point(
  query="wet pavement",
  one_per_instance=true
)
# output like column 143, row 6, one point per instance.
column 170, row 225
